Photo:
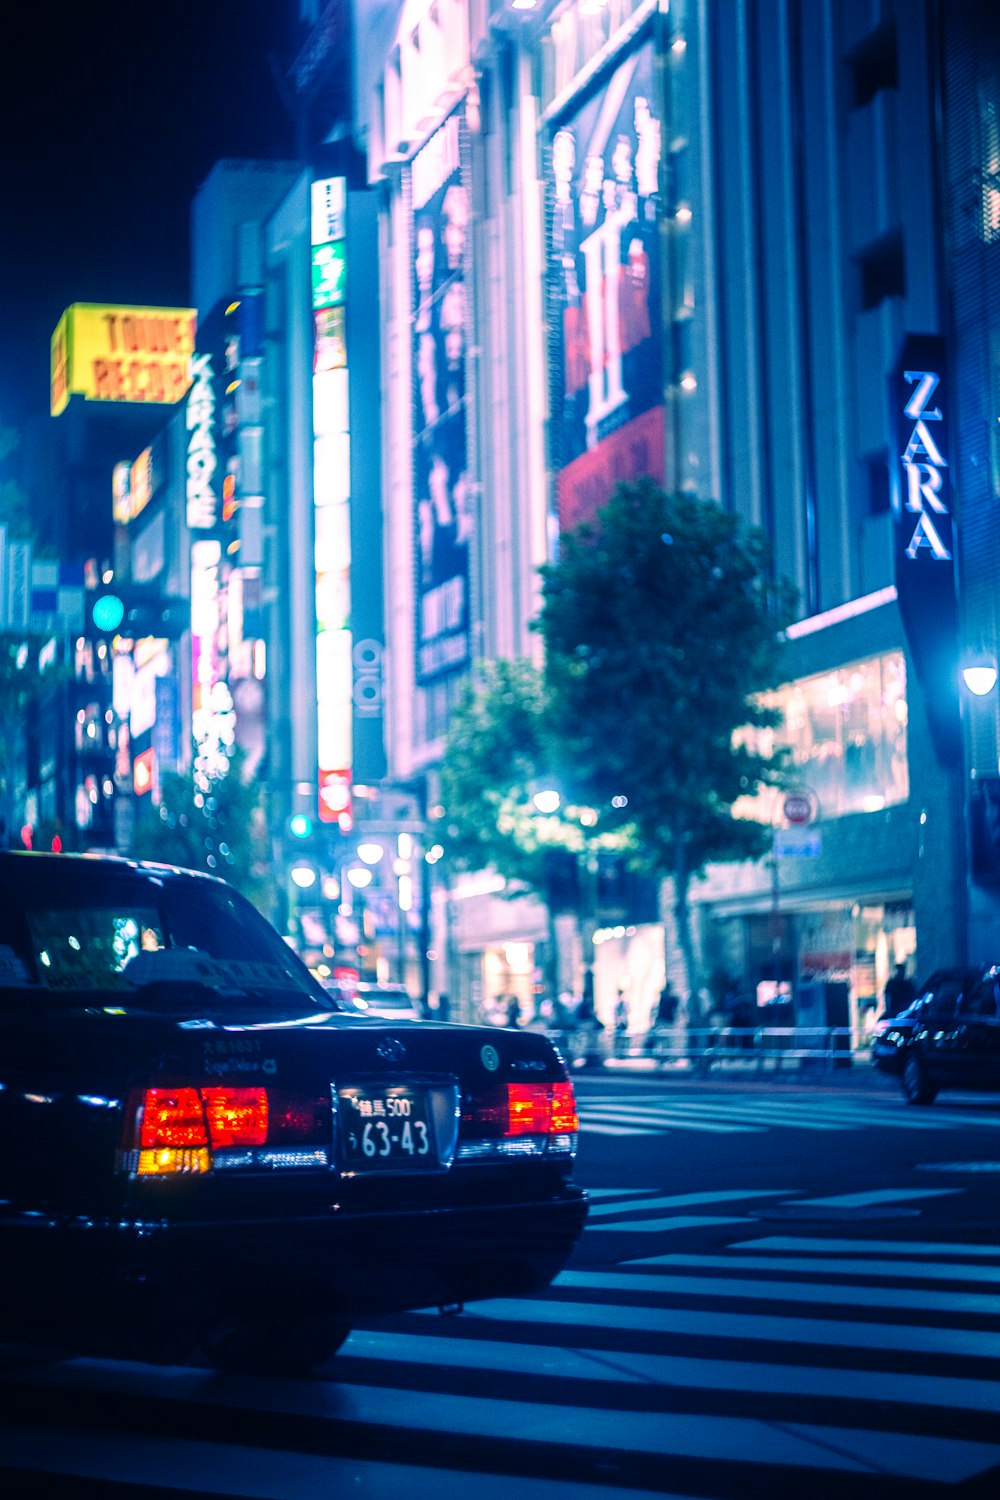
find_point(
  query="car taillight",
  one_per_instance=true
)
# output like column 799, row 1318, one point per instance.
column 520, row 1119
column 195, row 1129
column 171, row 1134
column 236, row 1117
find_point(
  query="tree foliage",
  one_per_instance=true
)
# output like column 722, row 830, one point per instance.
column 501, row 751
column 221, row 829
column 661, row 622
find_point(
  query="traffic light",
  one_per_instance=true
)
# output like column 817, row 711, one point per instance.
column 300, row 826
column 135, row 617
column 108, row 612
column 165, row 618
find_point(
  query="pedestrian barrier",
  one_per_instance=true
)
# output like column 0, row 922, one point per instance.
column 757, row 1049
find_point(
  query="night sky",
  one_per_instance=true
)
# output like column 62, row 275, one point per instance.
column 111, row 117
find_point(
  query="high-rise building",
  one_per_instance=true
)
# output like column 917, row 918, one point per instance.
column 732, row 247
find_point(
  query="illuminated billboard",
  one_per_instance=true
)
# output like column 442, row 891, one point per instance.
column 443, row 520
column 332, row 503
column 127, row 354
column 606, row 361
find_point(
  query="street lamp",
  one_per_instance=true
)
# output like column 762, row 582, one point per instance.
column 979, row 673
column 370, row 854
column 547, row 800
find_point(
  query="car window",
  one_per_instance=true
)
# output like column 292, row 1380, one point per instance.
column 981, row 999
column 125, row 933
column 940, row 1002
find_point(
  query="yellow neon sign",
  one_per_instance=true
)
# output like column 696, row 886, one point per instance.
column 132, row 354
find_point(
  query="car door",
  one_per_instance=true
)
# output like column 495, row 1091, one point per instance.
column 976, row 1049
column 933, row 1034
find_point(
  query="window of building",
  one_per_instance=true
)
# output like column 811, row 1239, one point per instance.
column 877, row 476
column 882, row 269
column 874, row 64
column 989, row 152
column 845, row 734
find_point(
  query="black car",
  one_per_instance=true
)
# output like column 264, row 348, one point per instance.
column 947, row 1038
column 199, row 1150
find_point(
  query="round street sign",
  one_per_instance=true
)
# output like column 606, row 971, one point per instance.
column 797, row 808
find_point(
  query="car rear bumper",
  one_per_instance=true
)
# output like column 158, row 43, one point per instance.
column 157, row 1284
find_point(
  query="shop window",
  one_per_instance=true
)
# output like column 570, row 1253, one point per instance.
column 845, row 735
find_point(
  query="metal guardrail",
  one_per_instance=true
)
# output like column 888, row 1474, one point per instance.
column 703, row 1049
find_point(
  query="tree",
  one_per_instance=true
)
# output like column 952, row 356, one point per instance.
column 661, row 622
column 494, row 758
column 220, row 828
column 501, row 751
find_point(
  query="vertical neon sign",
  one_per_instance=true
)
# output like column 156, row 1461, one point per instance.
column 332, row 500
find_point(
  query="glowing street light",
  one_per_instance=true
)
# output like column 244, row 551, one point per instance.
column 980, row 674
column 547, row 800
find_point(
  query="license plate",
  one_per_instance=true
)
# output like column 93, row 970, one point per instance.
column 386, row 1127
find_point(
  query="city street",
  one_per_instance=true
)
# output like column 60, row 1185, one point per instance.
column 784, row 1287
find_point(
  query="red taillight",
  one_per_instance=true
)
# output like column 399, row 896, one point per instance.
column 172, row 1117
column 514, row 1109
column 529, row 1109
column 190, row 1129
column 565, row 1119
column 236, row 1117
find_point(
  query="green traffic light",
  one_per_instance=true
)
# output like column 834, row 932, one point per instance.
column 108, row 612
column 299, row 826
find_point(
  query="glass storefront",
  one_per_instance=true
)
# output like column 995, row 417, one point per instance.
column 845, row 734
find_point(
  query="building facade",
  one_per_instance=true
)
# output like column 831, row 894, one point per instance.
column 693, row 241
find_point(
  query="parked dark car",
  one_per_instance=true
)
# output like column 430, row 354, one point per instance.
column 947, row 1038
column 198, row 1149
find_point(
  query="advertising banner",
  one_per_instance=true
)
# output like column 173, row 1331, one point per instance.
column 132, row 354
column 606, row 364
column 443, row 510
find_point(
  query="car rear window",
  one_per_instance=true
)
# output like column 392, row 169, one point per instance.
column 93, row 931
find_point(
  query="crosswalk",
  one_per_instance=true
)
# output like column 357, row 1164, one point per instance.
column 624, row 1112
column 780, row 1363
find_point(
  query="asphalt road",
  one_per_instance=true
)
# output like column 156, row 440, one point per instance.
column 785, row 1287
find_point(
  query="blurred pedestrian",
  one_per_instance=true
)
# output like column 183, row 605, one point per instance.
column 666, row 1006
column 513, row 1011
column 621, row 1024
column 898, row 993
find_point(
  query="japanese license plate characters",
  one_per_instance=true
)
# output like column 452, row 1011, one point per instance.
column 387, row 1127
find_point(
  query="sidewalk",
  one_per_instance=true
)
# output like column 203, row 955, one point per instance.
column 766, row 1064
column 858, row 1072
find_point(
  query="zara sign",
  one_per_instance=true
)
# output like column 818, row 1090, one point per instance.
column 924, row 530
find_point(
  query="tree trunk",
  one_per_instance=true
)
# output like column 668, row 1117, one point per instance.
column 682, row 917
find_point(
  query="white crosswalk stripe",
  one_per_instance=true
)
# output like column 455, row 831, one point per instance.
column 775, row 1364
column 628, row 1113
